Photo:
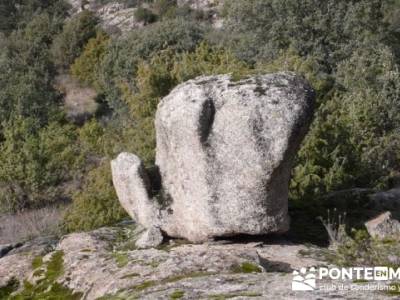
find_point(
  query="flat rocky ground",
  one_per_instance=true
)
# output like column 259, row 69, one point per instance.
column 104, row 264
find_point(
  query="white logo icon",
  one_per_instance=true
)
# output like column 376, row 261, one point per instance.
column 303, row 280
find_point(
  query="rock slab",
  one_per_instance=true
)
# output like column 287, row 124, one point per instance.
column 224, row 151
column 383, row 226
column 151, row 238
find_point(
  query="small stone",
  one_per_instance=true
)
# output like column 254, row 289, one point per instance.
column 383, row 226
column 151, row 238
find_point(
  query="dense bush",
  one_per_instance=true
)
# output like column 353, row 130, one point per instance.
column 33, row 163
column 354, row 138
column 68, row 45
column 347, row 51
column 122, row 57
column 97, row 204
column 86, row 67
column 329, row 29
column 16, row 14
column 27, row 73
column 145, row 15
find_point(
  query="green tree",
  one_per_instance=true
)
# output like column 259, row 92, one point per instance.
column 33, row 163
column 27, row 74
column 69, row 44
column 86, row 67
column 354, row 138
column 97, row 204
column 328, row 29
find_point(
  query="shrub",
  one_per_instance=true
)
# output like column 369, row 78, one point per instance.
column 329, row 29
column 68, row 45
column 27, row 74
column 145, row 15
column 17, row 14
column 353, row 140
column 97, row 204
column 86, row 66
column 123, row 55
column 33, row 163
column 8, row 13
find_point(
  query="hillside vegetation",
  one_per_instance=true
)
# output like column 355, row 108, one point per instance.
column 348, row 49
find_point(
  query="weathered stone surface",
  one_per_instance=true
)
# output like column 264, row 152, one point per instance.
column 225, row 150
column 383, row 226
column 100, row 264
column 151, row 238
column 133, row 189
column 16, row 262
column 113, row 15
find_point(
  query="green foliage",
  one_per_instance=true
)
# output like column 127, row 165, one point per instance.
column 308, row 67
column 178, row 294
column 11, row 286
column 347, row 50
column 69, row 44
column 26, row 72
column 48, row 288
column 329, row 29
column 145, row 15
column 123, row 56
column 86, row 66
column 97, row 204
column 33, row 162
column 91, row 138
column 354, row 138
column 121, row 259
column 37, row 262
column 246, row 267
column 8, row 13
column 16, row 14
column 361, row 249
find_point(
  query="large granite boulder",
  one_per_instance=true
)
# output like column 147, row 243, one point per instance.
column 224, row 151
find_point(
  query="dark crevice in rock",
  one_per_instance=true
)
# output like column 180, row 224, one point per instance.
column 155, row 179
column 164, row 199
column 206, row 120
column 5, row 249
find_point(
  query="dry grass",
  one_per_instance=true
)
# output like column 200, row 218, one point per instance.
column 30, row 224
column 80, row 101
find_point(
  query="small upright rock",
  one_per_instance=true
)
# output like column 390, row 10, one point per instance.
column 132, row 185
column 383, row 226
column 151, row 238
